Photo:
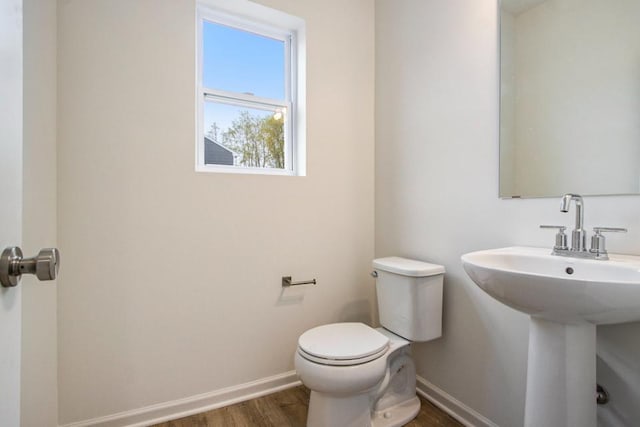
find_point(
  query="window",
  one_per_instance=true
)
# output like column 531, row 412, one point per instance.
column 249, row 91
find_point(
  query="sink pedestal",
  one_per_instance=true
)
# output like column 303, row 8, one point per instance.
column 561, row 374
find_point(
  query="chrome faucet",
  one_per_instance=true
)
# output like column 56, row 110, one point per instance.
column 578, row 247
column 578, row 235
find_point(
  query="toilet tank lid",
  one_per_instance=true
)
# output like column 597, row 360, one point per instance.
column 407, row 267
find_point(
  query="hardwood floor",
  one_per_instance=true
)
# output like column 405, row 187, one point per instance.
column 288, row 408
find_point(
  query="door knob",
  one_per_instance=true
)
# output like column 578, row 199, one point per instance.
column 12, row 265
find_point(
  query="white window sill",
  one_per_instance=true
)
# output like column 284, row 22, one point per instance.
column 244, row 170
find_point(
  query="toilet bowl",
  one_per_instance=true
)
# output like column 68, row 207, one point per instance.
column 361, row 376
column 346, row 386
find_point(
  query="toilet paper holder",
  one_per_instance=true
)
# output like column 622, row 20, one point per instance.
column 286, row 282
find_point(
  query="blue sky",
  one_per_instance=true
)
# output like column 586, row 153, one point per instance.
column 239, row 61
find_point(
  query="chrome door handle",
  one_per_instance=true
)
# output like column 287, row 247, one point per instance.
column 12, row 265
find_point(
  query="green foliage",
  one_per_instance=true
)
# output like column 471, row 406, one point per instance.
column 272, row 133
column 257, row 140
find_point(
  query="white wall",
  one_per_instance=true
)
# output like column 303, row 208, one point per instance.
column 171, row 278
column 437, row 198
column 39, row 326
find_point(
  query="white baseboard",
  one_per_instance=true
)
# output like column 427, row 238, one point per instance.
column 452, row 406
column 193, row 405
column 228, row 396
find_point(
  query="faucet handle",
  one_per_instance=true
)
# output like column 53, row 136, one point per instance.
column 559, row 227
column 598, row 241
column 561, row 238
column 599, row 230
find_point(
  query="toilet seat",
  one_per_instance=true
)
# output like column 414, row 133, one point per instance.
column 342, row 344
column 341, row 362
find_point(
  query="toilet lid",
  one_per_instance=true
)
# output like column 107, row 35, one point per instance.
column 343, row 341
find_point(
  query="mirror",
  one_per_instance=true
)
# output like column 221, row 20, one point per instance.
column 569, row 97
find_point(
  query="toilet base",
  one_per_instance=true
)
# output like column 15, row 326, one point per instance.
column 355, row 411
column 397, row 415
column 345, row 411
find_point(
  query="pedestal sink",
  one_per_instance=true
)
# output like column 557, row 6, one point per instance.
column 566, row 298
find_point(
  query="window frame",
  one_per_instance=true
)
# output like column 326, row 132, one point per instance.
column 293, row 140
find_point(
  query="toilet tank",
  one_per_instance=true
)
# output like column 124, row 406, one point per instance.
column 410, row 297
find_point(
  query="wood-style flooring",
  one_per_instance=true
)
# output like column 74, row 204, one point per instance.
column 288, row 408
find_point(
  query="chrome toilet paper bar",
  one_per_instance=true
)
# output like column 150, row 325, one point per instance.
column 286, row 282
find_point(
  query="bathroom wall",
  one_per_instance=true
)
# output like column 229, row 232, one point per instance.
column 437, row 198
column 39, row 394
column 171, row 284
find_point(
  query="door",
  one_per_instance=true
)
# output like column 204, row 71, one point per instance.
column 10, row 203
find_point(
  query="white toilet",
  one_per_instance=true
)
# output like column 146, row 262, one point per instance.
column 360, row 376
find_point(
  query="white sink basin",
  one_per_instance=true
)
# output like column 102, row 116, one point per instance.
column 566, row 298
column 558, row 288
